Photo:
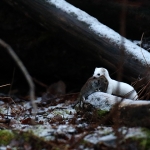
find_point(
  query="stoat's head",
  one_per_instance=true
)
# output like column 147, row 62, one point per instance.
column 101, row 71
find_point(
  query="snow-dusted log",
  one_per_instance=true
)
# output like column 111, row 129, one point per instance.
column 128, row 112
column 106, row 101
column 87, row 33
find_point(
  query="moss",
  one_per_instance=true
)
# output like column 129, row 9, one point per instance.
column 102, row 113
column 145, row 142
column 5, row 137
column 26, row 136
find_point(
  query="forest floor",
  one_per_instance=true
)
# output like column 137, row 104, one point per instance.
column 57, row 125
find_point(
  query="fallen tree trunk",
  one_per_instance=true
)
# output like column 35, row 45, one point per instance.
column 133, row 115
column 121, row 111
column 85, row 32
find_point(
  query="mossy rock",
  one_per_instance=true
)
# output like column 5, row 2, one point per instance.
column 5, row 137
column 102, row 113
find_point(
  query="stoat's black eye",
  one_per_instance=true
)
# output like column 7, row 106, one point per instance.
column 98, row 74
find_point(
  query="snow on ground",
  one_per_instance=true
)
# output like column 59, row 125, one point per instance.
column 136, row 42
column 52, row 122
column 107, row 136
column 102, row 30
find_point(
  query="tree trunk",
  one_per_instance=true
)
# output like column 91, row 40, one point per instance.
column 79, row 34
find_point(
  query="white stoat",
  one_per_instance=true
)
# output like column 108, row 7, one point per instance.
column 115, row 87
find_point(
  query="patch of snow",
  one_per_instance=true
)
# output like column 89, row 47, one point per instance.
column 38, row 100
column 48, row 132
column 60, row 109
column 57, row 106
column 103, row 31
column 130, row 102
column 83, row 125
column 5, row 110
column 50, row 115
column 136, row 42
column 134, row 132
column 109, row 139
column 106, row 101
column 42, row 110
column 104, row 130
column 65, row 129
column 3, row 148
column 1, row 103
column 102, row 101
column 27, row 105
column 45, row 131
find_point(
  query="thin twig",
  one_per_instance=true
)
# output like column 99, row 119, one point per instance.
column 12, row 81
column 5, row 85
column 141, row 49
column 24, row 70
column 140, row 92
column 40, row 83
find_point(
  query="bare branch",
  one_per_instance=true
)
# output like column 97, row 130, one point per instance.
column 23, row 69
column 142, row 51
column 5, row 85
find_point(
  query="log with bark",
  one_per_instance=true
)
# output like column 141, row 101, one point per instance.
column 121, row 111
column 85, row 32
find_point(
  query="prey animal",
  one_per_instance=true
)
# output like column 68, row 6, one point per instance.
column 92, row 85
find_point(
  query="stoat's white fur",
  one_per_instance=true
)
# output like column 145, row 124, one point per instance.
column 115, row 87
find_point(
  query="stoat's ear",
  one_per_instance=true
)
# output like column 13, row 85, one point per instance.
column 96, row 68
column 106, row 70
